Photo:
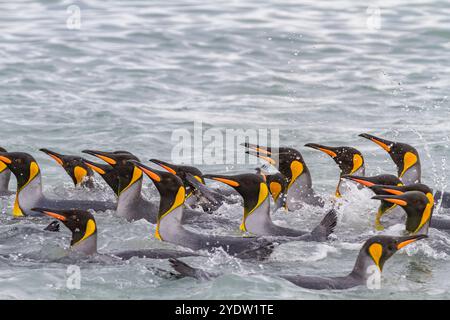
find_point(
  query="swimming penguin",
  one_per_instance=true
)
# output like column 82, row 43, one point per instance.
column 195, row 194
column 131, row 205
column 349, row 160
column 256, row 219
column 385, row 207
column 277, row 184
column 108, row 173
column 80, row 173
column 83, row 226
column 437, row 223
column 291, row 164
column 370, row 262
column 418, row 207
column 29, row 188
column 404, row 156
column 5, row 176
column 170, row 229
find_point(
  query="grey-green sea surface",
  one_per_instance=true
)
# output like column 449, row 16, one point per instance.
column 137, row 70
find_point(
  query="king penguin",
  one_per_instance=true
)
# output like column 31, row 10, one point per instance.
column 291, row 164
column 371, row 259
column 29, row 188
column 256, row 219
column 83, row 227
column 349, row 160
column 169, row 228
column 80, row 173
column 5, row 176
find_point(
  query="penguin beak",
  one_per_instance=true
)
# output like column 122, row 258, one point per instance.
column 385, row 144
column 164, row 165
column 328, row 150
column 386, row 189
column 51, row 213
column 404, row 241
column 151, row 173
column 392, row 199
column 4, row 158
column 360, row 180
column 56, row 156
column 260, row 152
column 105, row 156
column 224, row 179
column 94, row 166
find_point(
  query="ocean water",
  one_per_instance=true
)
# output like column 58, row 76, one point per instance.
column 137, row 71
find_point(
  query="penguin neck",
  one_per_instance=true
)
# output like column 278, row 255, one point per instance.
column 343, row 185
column 364, row 267
column 168, row 226
column 300, row 188
column 412, row 175
column 129, row 200
column 5, row 175
column 28, row 196
column 86, row 246
column 258, row 221
column 419, row 224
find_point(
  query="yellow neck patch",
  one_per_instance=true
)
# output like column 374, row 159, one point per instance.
column 409, row 160
column 275, row 190
column 296, row 170
column 358, row 161
column 426, row 215
column 79, row 173
column 90, row 229
column 3, row 166
column 34, row 171
column 263, row 194
column 179, row 200
column 376, row 250
column 137, row 174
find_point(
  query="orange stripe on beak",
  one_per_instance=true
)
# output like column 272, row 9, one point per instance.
column 106, row 159
column 397, row 201
column 405, row 243
column 5, row 159
column 167, row 168
column 58, row 160
column 381, row 144
column 363, row 182
column 95, row 168
column 151, row 174
column 55, row 215
column 329, row 152
column 392, row 191
column 227, row 181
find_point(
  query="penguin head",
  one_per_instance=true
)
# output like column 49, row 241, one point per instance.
column 287, row 160
column 170, row 188
column 22, row 165
column 384, row 179
column 3, row 166
column 277, row 184
column 250, row 186
column 182, row 171
column 348, row 159
column 404, row 156
column 125, row 172
column 380, row 248
column 417, row 205
column 74, row 166
column 81, row 223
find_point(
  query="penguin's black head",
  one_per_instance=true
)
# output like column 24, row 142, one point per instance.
column 126, row 173
column 404, row 155
column 381, row 248
column 81, row 223
column 74, row 166
column 287, row 160
column 348, row 159
column 22, row 165
column 401, row 189
column 181, row 171
column 170, row 187
column 250, row 186
column 417, row 205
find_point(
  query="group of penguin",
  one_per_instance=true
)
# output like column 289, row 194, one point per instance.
column 185, row 198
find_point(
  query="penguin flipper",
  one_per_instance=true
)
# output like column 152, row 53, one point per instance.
column 154, row 254
column 325, row 227
column 260, row 253
column 52, row 227
column 186, row 270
